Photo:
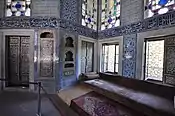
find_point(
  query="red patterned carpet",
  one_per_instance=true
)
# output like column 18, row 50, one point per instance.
column 94, row 104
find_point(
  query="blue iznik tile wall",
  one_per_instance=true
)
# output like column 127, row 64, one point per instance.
column 69, row 10
column 69, row 22
column 67, row 67
column 129, row 55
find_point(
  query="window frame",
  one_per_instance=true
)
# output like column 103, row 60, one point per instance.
column 145, row 52
column 115, row 54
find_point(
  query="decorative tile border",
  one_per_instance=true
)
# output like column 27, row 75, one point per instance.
column 81, row 30
column 156, row 22
column 46, row 22
column 160, row 21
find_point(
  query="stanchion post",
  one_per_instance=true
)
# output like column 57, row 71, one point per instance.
column 39, row 99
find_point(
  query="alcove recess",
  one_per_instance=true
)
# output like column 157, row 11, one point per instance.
column 69, row 55
column 46, row 51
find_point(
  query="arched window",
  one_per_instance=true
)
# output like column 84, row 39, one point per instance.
column 156, row 7
column 110, row 16
column 18, row 7
column 89, row 13
column 46, row 35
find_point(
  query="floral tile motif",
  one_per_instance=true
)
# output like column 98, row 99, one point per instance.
column 69, row 10
column 129, row 62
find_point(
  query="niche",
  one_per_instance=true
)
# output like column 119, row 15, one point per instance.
column 46, row 35
column 69, row 56
column 69, row 65
column 69, row 42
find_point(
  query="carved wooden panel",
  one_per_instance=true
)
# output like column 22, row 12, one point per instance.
column 170, row 80
column 90, row 49
column 87, row 49
column 46, row 58
column 83, row 57
column 169, row 60
column 13, row 59
column 18, row 58
column 24, row 61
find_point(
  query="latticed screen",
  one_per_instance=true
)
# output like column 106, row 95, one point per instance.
column 89, row 13
column 18, row 7
column 155, row 7
column 154, row 60
column 110, row 16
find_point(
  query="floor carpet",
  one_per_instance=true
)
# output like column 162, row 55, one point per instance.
column 94, row 104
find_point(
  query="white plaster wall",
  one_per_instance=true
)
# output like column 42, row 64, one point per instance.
column 118, row 40
column 140, row 46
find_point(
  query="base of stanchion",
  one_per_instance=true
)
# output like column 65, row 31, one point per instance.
column 38, row 115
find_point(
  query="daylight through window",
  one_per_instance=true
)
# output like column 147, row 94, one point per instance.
column 154, row 60
column 110, row 55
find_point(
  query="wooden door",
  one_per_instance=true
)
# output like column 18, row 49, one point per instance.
column 87, row 57
column 169, row 60
column 17, row 65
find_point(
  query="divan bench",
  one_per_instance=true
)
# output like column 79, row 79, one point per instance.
column 148, row 103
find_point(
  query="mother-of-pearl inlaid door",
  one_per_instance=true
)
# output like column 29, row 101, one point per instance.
column 17, row 60
column 169, row 60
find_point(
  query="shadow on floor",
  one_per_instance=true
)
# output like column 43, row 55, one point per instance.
column 15, row 103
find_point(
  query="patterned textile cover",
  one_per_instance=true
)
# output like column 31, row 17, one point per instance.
column 94, row 104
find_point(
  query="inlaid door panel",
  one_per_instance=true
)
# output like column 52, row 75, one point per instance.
column 87, row 55
column 18, row 59
column 90, row 49
column 13, row 59
column 169, row 60
column 83, row 57
column 46, row 58
column 24, row 59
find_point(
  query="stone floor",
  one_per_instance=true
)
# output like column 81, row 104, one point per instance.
column 71, row 93
column 21, row 103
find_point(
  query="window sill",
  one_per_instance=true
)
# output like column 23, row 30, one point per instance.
column 154, row 81
column 158, row 82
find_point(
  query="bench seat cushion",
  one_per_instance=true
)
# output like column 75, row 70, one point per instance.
column 148, row 103
column 95, row 104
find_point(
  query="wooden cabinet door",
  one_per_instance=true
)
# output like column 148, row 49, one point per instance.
column 169, row 60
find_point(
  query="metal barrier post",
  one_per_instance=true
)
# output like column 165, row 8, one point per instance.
column 39, row 99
